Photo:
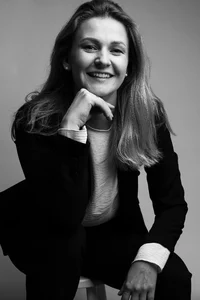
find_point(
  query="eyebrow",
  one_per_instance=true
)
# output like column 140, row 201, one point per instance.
column 97, row 41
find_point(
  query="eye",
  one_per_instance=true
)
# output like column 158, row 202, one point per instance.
column 117, row 51
column 89, row 48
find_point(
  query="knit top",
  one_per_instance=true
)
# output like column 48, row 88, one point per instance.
column 104, row 200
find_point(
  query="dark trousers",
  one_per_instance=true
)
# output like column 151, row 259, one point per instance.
column 53, row 265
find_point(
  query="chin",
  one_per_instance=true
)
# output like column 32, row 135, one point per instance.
column 101, row 93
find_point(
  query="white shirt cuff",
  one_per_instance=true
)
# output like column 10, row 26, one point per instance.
column 76, row 135
column 153, row 253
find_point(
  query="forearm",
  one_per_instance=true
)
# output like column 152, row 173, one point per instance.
column 167, row 195
column 56, row 169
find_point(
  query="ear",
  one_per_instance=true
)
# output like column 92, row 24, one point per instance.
column 66, row 66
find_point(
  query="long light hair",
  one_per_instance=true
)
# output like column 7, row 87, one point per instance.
column 133, row 139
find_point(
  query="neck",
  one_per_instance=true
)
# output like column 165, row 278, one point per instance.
column 112, row 98
column 99, row 121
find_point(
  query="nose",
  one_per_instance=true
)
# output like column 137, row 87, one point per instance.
column 103, row 59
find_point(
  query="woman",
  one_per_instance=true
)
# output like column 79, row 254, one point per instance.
column 81, row 141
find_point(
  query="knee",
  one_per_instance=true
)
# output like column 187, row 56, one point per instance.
column 176, row 273
column 181, row 278
column 76, row 242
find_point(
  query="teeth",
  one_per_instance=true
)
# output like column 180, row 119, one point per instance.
column 100, row 75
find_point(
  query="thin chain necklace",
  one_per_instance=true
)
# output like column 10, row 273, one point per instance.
column 101, row 130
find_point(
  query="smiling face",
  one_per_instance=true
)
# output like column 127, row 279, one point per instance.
column 99, row 57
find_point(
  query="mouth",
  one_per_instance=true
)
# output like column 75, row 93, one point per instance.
column 101, row 75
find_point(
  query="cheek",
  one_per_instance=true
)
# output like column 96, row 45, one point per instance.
column 125, row 66
column 80, row 61
column 77, row 68
column 122, row 67
column 78, row 71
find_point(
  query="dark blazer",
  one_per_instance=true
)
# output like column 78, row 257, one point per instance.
column 54, row 195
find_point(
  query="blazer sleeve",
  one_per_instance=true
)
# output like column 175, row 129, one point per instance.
column 56, row 172
column 167, row 194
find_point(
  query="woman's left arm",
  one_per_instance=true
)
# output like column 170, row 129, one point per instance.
column 167, row 194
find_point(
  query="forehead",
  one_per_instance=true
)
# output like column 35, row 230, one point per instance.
column 105, row 29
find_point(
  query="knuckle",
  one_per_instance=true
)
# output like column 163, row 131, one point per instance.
column 99, row 98
column 145, row 289
column 138, row 288
column 84, row 92
column 145, row 286
column 96, row 99
column 128, row 286
column 150, row 286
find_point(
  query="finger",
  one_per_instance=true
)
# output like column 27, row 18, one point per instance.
column 104, row 107
column 95, row 110
column 85, row 91
column 151, row 295
column 126, row 295
column 112, row 107
column 135, row 296
column 143, row 296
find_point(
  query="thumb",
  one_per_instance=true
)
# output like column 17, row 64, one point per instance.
column 121, row 291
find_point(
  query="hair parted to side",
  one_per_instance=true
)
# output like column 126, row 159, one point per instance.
column 133, row 138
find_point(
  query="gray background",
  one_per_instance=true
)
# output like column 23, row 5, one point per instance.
column 171, row 30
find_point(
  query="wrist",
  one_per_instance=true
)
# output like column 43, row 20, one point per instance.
column 148, row 263
column 155, row 266
column 69, row 126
